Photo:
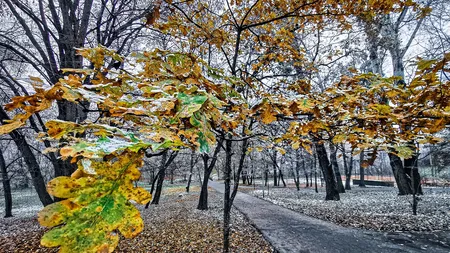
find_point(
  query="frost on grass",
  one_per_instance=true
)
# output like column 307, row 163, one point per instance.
column 26, row 203
column 378, row 209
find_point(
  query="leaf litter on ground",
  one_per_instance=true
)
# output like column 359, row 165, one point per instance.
column 175, row 225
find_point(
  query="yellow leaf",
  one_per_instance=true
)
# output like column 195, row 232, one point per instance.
column 281, row 150
column 267, row 116
column 7, row 128
column 133, row 225
column 63, row 187
column 339, row 138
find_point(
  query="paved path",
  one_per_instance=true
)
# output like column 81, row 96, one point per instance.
column 289, row 231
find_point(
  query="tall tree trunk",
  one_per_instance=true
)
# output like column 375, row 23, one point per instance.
column 362, row 183
column 401, row 178
column 152, row 189
column 172, row 172
column 315, row 173
column 280, row 175
column 69, row 111
column 226, row 200
column 304, row 170
column 160, row 181
column 412, row 169
column 243, row 154
column 31, row 162
column 266, row 176
column 297, row 170
column 327, row 170
column 337, row 173
column 244, row 177
column 275, row 178
column 6, row 186
column 348, row 168
column 166, row 160
column 203, row 200
column 191, row 170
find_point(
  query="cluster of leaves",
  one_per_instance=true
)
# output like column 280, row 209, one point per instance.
column 265, row 28
column 166, row 103
column 372, row 112
column 96, row 204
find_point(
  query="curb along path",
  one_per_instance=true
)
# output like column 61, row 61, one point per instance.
column 289, row 231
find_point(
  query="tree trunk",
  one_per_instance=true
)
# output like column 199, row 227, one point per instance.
column 6, row 187
column 327, row 170
column 69, row 111
column 152, row 189
column 402, row 173
column 160, row 181
column 275, row 178
column 337, row 173
column 315, row 173
column 402, row 180
column 203, row 200
column 165, row 163
column 191, row 170
column 348, row 168
column 304, row 170
column 280, row 173
column 361, row 169
column 226, row 199
column 199, row 176
column 31, row 162
column 412, row 169
column 297, row 170
column 266, row 177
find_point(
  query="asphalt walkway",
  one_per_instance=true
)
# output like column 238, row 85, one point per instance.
column 289, row 231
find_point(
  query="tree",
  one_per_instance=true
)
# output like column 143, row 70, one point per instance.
column 50, row 32
column 6, row 186
column 30, row 160
column 348, row 167
column 334, row 163
column 208, row 167
column 166, row 160
column 193, row 160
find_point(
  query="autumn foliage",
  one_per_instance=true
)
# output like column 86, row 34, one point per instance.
column 175, row 100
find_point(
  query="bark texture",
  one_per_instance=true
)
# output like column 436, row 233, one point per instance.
column 337, row 173
column 203, row 200
column 362, row 182
column 6, row 186
column 31, row 162
column 348, row 167
column 401, row 178
column 327, row 170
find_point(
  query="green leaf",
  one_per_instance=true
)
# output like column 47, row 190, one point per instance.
column 204, row 146
column 190, row 104
column 404, row 151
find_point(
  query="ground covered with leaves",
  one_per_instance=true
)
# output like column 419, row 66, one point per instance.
column 173, row 226
column 374, row 208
